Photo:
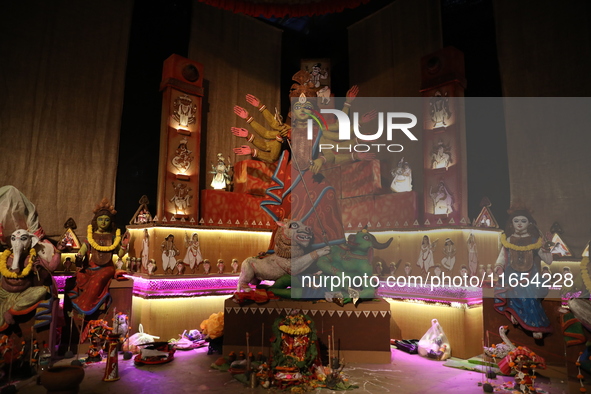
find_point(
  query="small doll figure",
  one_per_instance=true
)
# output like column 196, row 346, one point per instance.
column 565, row 270
column 221, row 171
column 463, row 271
column 221, row 266
column 151, row 266
column 180, row 268
column 378, row 268
column 392, row 267
column 234, row 266
column 120, row 325
column 206, row 266
column 437, row 270
column 133, row 264
column 489, row 274
column 481, row 270
column 407, row 269
column 67, row 264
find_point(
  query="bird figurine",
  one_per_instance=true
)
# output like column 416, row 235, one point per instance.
column 500, row 350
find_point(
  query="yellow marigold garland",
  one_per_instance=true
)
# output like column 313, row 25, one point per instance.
column 294, row 325
column 100, row 248
column 511, row 246
column 302, row 330
column 9, row 274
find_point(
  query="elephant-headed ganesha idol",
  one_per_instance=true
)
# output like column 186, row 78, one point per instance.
column 26, row 287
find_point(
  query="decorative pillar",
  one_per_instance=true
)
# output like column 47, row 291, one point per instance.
column 444, row 139
column 180, row 137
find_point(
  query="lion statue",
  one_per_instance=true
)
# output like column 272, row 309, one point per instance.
column 290, row 257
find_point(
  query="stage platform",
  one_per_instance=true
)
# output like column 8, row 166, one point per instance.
column 362, row 332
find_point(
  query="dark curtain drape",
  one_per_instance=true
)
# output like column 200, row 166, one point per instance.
column 544, row 51
column 240, row 55
column 62, row 78
column 282, row 8
column 385, row 50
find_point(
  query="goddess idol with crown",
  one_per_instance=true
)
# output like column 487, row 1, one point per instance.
column 93, row 279
column 523, row 251
column 297, row 190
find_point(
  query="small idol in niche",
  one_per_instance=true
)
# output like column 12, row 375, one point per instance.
column 318, row 74
column 441, row 156
column 234, row 266
column 182, row 198
column 183, row 157
column 402, row 181
column 221, row 170
column 439, row 109
column 221, row 266
column 442, row 200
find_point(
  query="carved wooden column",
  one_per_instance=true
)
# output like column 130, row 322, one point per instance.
column 180, row 137
column 444, row 139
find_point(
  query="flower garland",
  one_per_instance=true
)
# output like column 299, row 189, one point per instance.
column 523, row 362
column 511, row 246
column 585, row 273
column 283, row 360
column 100, row 248
column 295, row 325
column 294, row 330
column 9, row 274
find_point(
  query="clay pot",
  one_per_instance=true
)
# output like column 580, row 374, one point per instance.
column 64, row 379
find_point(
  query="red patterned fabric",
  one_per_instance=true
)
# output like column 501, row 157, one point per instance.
column 230, row 209
column 282, row 8
column 361, row 178
column 252, row 176
column 333, row 178
column 357, row 210
column 386, row 210
column 324, row 218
